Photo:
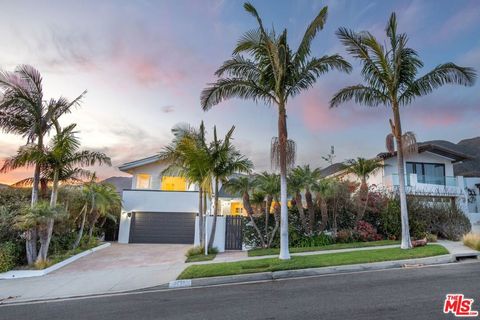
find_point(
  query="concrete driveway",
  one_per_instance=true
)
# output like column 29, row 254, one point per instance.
column 120, row 267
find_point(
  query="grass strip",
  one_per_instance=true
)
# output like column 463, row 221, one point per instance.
column 311, row 261
column 336, row 246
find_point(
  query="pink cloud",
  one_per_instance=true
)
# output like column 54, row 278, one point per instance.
column 439, row 118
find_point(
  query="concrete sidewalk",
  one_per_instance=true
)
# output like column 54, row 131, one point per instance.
column 117, row 268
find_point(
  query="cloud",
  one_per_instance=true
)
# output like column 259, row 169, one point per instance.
column 462, row 20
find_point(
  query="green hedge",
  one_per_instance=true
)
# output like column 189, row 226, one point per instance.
column 8, row 256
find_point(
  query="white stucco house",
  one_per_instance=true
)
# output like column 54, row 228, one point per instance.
column 429, row 174
column 161, row 208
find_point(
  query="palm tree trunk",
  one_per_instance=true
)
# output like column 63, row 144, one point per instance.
column 298, row 200
column 324, row 213
column 406, row 242
column 364, row 193
column 249, row 209
column 274, row 231
column 282, row 141
column 267, row 213
column 31, row 234
column 311, row 210
column 46, row 232
column 200, row 216
column 215, row 213
column 82, row 227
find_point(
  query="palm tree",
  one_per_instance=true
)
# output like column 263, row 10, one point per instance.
column 24, row 111
column 391, row 79
column 269, row 183
column 295, row 186
column 273, row 73
column 226, row 160
column 308, row 178
column 58, row 162
column 188, row 156
column 363, row 169
column 244, row 185
column 324, row 189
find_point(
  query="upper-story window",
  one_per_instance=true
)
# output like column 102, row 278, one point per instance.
column 430, row 173
column 174, row 184
column 143, row 181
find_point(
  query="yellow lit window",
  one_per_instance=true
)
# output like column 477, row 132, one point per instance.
column 236, row 208
column 174, row 184
column 143, row 181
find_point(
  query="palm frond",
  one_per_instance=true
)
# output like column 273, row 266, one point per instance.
column 360, row 94
column 316, row 25
column 448, row 73
column 275, row 153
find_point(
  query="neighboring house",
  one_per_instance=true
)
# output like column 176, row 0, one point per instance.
column 120, row 183
column 429, row 174
column 159, row 208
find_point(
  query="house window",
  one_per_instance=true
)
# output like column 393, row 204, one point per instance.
column 429, row 173
column 143, row 181
column 174, row 184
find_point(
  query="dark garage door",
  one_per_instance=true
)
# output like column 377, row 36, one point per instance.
column 162, row 227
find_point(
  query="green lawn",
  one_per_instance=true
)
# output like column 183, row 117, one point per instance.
column 201, row 257
column 311, row 261
column 274, row 251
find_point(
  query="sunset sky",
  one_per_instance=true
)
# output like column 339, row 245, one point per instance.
column 144, row 64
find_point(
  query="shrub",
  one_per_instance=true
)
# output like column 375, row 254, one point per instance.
column 472, row 240
column 364, row 231
column 431, row 237
column 389, row 220
column 199, row 250
column 345, row 236
column 316, row 240
column 8, row 256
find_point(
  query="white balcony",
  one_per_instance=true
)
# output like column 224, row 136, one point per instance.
column 426, row 185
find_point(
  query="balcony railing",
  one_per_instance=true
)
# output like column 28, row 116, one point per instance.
column 161, row 201
column 392, row 180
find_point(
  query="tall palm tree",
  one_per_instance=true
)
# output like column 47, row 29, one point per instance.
column 24, row 111
column 273, row 73
column 269, row 183
column 390, row 74
column 308, row 178
column 363, row 169
column 226, row 160
column 244, row 185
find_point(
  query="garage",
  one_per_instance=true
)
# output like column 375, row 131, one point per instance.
column 162, row 227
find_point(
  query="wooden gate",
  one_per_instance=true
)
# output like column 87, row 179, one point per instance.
column 233, row 233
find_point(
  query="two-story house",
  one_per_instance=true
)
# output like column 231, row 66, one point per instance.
column 428, row 174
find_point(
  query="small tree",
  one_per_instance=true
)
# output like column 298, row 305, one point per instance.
column 363, row 169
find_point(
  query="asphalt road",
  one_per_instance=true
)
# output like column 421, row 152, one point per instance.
column 389, row 294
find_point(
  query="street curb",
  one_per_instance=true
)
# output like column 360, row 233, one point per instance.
column 245, row 278
column 18, row 274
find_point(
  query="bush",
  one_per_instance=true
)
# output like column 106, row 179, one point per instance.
column 345, row 236
column 8, row 256
column 200, row 250
column 431, row 237
column 317, row 240
column 364, row 231
column 472, row 240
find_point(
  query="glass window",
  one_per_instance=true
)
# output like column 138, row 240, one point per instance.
column 143, row 181
column 174, row 183
column 431, row 173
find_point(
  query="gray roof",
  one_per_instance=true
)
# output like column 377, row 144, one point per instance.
column 441, row 147
column 120, row 183
column 139, row 163
column 332, row 169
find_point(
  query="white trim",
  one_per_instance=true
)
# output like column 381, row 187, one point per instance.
column 15, row 274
